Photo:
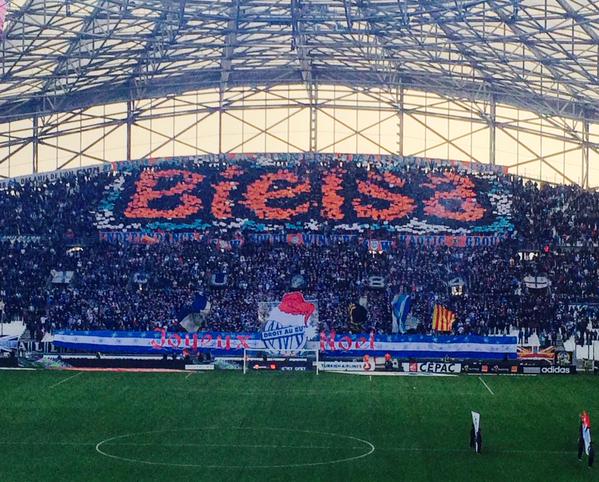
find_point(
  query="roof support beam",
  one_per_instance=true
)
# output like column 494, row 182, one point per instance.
column 540, row 56
column 372, row 46
column 230, row 43
column 401, row 120
column 299, row 44
column 209, row 78
column 35, row 141
column 61, row 82
column 166, row 29
column 429, row 6
column 586, row 26
column 129, row 127
column 585, row 155
column 492, row 131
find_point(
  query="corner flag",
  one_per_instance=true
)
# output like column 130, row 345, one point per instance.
column 476, row 437
column 585, row 443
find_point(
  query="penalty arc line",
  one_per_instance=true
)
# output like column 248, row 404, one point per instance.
column 65, row 380
column 487, row 386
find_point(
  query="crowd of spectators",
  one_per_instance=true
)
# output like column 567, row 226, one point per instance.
column 557, row 224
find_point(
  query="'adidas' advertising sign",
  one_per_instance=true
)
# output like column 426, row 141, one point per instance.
column 557, row 370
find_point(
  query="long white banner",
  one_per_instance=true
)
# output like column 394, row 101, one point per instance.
column 342, row 345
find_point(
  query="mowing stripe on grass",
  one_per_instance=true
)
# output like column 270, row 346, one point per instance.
column 232, row 391
column 487, row 386
column 319, row 447
column 489, row 451
column 65, row 380
column 185, row 444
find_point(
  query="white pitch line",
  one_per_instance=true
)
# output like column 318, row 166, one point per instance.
column 65, row 380
column 487, row 386
column 110, row 441
column 188, row 375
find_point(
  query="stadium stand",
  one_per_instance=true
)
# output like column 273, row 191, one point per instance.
column 329, row 228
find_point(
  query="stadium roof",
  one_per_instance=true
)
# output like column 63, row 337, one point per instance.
column 60, row 55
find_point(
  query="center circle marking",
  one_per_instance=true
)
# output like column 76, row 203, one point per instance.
column 101, row 449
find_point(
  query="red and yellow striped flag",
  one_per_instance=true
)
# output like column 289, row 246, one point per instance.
column 442, row 318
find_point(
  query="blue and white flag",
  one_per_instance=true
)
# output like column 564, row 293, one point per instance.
column 344, row 344
column 8, row 342
column 400, row 309
column 192, row 316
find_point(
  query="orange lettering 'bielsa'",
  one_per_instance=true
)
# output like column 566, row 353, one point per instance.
column 332, row 201
column 462, row 194
column 222, row 203
column 146, row 192
column 261, row 191
column 399, row 205
column 235, row 193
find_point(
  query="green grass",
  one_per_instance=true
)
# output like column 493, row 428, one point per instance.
column 258, row 424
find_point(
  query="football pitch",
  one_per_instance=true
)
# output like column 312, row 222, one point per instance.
column 226, row 426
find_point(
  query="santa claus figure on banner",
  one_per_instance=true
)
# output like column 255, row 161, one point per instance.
column 288, row 325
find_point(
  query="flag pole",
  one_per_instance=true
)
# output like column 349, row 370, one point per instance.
column 1, row 311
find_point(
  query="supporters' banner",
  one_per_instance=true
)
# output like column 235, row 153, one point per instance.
column 420, row 346
column 536, row 282
column 260, row 197
column 158, row 341
column 150, row 238
column 161, row 341
column 8, row 342
column 527, row 353
column 443, row 318
column 192, row 316
column 400, row 309
column 21, row 239
column 134, row 237
column 287, row 325
column 378, row 245
column 358, row 314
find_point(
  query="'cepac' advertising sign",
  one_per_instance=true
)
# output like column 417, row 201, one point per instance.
column 432, row 367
